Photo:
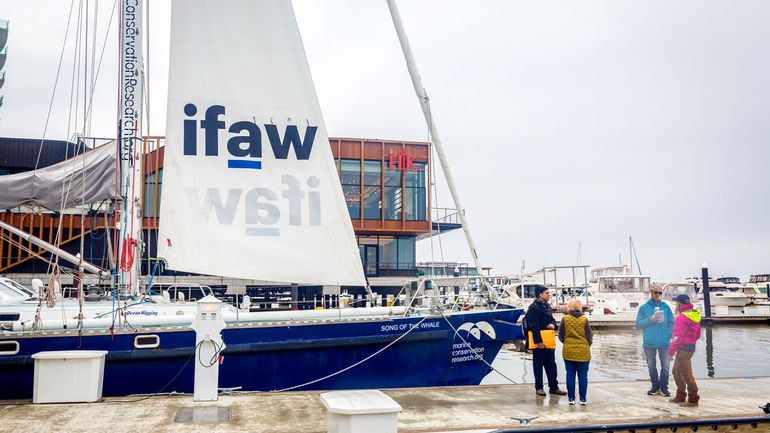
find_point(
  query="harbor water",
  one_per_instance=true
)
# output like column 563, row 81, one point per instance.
column 723, row 351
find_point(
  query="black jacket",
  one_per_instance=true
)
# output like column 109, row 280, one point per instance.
column 538, row 318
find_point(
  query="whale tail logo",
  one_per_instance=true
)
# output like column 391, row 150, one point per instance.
column 476, row 329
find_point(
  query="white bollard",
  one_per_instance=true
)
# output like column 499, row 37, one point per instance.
column 368, row 411
column 208, row 326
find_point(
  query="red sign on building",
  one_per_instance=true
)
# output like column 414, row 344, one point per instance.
column 401, row 161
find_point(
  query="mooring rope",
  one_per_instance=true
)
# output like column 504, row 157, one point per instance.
column 346, row 368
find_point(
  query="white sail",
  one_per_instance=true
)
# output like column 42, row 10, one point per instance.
column 250, row 189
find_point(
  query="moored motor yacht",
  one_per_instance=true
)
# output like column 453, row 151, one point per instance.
column 616, row 290
column 672, row 290
column 721, row 295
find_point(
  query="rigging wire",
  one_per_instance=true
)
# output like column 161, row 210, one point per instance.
column 55, row 83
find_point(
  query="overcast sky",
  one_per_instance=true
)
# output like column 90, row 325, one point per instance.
column 564, row 122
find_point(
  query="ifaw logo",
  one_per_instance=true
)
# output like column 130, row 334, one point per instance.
column 475, row 329
column 245, row 142
column 298, row 201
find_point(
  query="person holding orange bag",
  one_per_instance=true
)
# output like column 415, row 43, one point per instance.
column 539, row 318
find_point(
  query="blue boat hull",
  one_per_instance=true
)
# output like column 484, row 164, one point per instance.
column 270, row 357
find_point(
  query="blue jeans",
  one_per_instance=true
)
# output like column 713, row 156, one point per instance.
column 581, row 370
column 658, row 382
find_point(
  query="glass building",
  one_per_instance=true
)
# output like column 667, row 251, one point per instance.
column 385, row 184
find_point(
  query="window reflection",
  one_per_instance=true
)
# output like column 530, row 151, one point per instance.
column 415, row 193
column 372, row 191
column 392, row 195
column 350, row 177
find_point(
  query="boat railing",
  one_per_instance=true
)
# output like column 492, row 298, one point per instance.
column 440, row 295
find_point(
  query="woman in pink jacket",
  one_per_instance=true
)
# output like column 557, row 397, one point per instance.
column 686, row 334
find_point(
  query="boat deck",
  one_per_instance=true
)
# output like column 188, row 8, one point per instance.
column 451, row 409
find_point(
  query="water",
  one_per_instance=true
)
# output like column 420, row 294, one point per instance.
column 723, row 351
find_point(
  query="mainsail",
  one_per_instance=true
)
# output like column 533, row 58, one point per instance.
column 250, row 189
column 86, row 178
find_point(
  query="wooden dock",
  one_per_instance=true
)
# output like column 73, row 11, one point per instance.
column 628, row 320
column 478, row 409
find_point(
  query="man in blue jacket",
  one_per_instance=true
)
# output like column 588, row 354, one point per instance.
column 657, row 321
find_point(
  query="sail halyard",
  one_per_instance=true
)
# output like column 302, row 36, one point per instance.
column 250, row 185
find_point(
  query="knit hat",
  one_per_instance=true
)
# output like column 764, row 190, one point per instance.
column 682, row 299
column 539, row 290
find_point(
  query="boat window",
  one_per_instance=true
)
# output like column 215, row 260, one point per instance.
column 11, row 289
column 9, row 347
column 9, row 317
column 146, row 341
column 20, row 288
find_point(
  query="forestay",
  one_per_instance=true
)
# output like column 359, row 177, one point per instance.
column 250, row 189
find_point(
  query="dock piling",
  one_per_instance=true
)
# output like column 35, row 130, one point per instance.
column 707, row 321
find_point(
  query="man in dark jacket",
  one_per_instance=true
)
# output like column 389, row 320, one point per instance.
column 540, row 318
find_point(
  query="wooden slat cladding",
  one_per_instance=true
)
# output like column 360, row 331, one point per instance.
column 43, row 226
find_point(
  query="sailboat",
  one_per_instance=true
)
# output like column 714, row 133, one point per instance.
column 250, row 191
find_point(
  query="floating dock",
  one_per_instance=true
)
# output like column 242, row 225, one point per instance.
column 478, row 409
column 628, row 320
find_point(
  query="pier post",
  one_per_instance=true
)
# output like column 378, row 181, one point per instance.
column 707, row 321
column 208, row 327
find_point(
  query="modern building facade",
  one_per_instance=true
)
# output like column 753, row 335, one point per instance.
column 385, row 184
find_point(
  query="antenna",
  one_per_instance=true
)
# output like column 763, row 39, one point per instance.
column 579, row 253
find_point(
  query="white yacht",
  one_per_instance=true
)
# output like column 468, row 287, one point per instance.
column 721, row 294
column 672, row 290
column 617, row 290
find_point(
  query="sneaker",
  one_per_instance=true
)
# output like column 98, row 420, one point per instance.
column 665, row 393
column 675, row 400
column 583, row 402
column 540, row 392
column 558, row 391
column 572, row 402
column 653, row 391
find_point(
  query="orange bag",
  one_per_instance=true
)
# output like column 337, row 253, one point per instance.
column 547, row 335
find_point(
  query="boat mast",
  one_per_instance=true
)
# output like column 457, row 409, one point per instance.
column 131, row 181
column 422, row 96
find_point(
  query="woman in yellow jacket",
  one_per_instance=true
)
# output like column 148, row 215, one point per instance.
column 575, row 334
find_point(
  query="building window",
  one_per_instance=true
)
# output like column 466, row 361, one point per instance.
column 350, row 177
column 392, row 194
column 151, row 206
column 388, row 252
column 372, row 190
column 406, row 252
column 415, row 193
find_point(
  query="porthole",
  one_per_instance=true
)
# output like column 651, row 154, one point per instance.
column 9, row 347
column 146, row 341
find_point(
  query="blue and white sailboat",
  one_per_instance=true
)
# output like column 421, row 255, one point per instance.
column 251, row 191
